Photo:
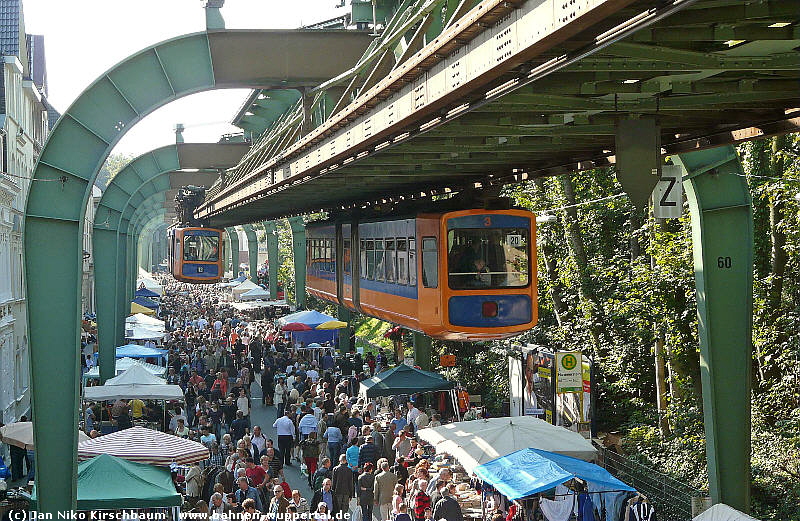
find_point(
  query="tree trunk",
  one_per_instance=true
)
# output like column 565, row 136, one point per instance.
column 548, row 253
column 661, row 385
column 594, row 310
column 778, row 237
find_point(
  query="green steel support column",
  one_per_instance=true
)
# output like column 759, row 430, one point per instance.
column 233, row 236
column 105, row 281
column 119, row 297
column 252, row 250
column 227, row 240
column 345, row 315
column 722, row 237
column 423, row 351
column 299, row 249
column 273, row 258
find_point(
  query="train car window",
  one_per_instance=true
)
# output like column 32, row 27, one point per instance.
column 363, row 255
column 390, row 260
column 346, row 256
column 402, row 261
column 202, row 248
column 487, row 258
column 380, row 264
column 430, row 263
column 370, row 260
column 412, row 262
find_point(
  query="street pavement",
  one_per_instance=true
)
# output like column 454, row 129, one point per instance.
column 265, row 416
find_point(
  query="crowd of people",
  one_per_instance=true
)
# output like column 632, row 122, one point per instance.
column 359, row 457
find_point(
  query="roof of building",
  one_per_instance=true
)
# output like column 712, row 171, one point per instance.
column 12, row 32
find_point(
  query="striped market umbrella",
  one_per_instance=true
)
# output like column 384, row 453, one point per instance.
column 144, row 446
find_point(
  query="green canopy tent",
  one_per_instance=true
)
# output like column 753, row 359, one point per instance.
column 404, row 379
column 109, row 483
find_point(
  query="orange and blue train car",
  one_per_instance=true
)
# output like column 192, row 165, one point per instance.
column 196, row 254
column 465, row 275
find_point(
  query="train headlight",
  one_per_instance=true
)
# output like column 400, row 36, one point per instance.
column 489, row 309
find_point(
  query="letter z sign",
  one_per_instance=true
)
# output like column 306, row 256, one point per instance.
column 668, row 193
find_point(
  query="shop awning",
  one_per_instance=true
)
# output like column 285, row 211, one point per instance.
column 528, row 471
column 110, row 483
column 404, row 379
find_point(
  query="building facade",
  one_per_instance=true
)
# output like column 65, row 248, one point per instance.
column 24, row 124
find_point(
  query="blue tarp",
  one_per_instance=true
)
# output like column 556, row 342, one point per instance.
column 310, row 318
column 146, row 302
column 528, row 471
column 144, row 292
column 137, row 351
column 316, row 335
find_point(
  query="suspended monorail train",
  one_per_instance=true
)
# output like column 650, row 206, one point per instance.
column 196, row 254
column 460, row 275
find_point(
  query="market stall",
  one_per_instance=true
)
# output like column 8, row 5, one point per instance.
column 526, row 473
column 136, row 382
column 20, row 434
column 110, row 483
column 475, row 442
column 123, row 364
column 142, row 445
column 307, row 321
column 137, row 351
column 722, row 512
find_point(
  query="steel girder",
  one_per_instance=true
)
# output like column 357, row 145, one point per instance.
column 273, row 256
column 252, row 250
column 722, row 239
column 298, row 227
column 233, row 240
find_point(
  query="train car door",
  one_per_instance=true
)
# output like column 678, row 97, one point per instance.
column 428, row 260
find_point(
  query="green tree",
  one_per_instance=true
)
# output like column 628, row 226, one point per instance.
column 113, row 164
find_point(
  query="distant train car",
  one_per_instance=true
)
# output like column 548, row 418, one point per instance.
column 462, row 275
column 196, row 254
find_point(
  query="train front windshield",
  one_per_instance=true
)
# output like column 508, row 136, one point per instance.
column 203, row 248
column 487, row 258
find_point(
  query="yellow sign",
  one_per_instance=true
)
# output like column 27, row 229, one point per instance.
column 569, row 372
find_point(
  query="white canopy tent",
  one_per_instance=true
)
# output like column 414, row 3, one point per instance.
column 123, row 364
column 141, row 319
column 255, row 294
column 477, row 442
column 722, row 512
column 143, row 333
column 243, row 288
column 144, row 279
column 136, row 382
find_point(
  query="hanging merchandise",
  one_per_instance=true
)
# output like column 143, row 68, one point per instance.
column 639, row 509
column 557, row 510
column 585, row 507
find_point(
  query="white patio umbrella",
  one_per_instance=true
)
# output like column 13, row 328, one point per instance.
column 20, row 434
column 476, row 442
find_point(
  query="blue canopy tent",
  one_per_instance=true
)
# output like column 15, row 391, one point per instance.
column 528, row 471
column 137, row 351
column 312, row 319
column 144, row 292
column 145, row 302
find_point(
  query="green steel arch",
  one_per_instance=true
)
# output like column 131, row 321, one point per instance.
column 74, row 153
column 233, row 250
column 154, row 172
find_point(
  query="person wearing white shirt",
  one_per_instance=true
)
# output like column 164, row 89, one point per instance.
column 258, row 439
column 284, row 427
column 413, row 412
column 313, row 374
column 243, row 403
